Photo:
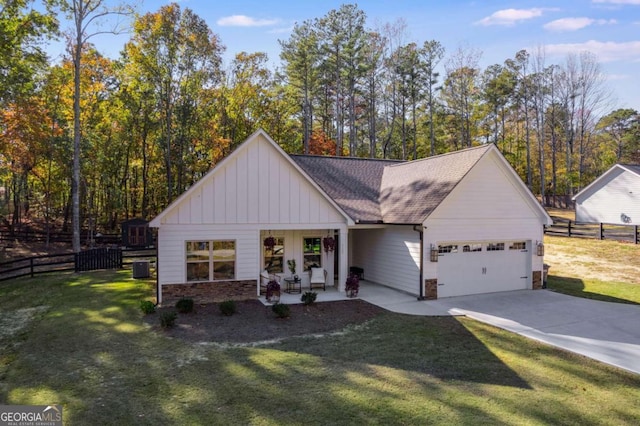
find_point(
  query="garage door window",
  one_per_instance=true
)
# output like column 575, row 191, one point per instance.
column 471, row 248
column 520, row 245
column 495, row 246
column 448, row 249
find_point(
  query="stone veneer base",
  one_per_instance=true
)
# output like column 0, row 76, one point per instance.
column 210, row 292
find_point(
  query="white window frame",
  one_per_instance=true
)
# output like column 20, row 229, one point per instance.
column 211, row 261
column 265, row 256
column 304, row 255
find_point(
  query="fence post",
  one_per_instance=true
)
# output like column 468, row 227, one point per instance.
column 635, row 235
column 569, row 229
column 601, row 231
column 31, row 266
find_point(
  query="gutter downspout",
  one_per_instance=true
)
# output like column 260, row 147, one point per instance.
column 421, row 287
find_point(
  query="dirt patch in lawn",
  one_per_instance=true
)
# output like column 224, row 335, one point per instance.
column 580, row 260
column 15, row 321
column 254, row 322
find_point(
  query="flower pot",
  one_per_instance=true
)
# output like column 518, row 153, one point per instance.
column 275, row 297
column 352, row 293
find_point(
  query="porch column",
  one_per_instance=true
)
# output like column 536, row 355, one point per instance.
column 343, row 268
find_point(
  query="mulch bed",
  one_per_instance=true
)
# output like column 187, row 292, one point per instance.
column 255, row 322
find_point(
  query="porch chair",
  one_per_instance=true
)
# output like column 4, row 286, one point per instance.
column 318, row 278
column 265, row 277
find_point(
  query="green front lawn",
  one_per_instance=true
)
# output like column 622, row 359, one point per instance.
column 79, row 340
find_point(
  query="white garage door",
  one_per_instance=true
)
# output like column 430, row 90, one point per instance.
column 487, row 267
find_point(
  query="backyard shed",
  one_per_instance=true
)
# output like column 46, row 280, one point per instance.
column 613, row 198
column 454, row 224
column 136, row 233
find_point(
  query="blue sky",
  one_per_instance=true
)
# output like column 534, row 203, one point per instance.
column 608, row 28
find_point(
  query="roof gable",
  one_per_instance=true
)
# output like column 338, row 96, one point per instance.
column 411, row 191
column 604, row 178
column 491, row 191
column 257, row 173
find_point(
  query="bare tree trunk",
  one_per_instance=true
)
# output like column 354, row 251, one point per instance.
column 75, row 185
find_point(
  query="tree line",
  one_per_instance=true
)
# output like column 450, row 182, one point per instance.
column 90, row 141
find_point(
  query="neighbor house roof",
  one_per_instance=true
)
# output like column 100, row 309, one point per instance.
column 386, row 191
column 633, row 168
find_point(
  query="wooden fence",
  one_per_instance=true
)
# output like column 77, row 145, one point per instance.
column 35, row 265
column 98, row 258
column 600, row 231
column 31, row 236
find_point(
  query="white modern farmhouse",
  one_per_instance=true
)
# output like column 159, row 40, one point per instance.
column 613, row 198
column 454, row 224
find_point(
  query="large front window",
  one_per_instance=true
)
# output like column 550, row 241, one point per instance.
column 274, row 258
column 312, row 254
column 211, row 260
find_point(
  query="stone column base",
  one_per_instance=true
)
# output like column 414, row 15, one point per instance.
column 431, row 289
column 536, row 282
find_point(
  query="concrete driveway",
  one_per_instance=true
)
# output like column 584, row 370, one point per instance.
column 607, row 332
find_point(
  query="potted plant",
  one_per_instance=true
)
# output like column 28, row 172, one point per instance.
column 273, row 291
column 352, row 286
column 291, row 263
column 329, row 244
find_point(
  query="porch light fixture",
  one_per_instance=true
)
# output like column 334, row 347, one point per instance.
column 539, row 248
column 433, row 253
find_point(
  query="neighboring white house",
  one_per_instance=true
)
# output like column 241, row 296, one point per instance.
column 613, row 198
column 455, row 224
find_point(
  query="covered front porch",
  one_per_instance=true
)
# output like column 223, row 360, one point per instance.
column 331, row 294
column 286, row 253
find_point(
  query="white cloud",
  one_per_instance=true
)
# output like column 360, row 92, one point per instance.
column 574, row 24
column 604, row 51
column 244, row 21
column 509, row 17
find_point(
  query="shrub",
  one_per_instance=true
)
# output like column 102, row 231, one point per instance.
column 147, row 307
column 184, row 305
column 282, row 310
column 309, row 297
column 168, row 319
column 228, row 308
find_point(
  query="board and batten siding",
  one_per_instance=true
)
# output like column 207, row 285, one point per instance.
column 614, row 198
column 255, row 185
column 487, row 205
column 488, row 191
column 389, row 256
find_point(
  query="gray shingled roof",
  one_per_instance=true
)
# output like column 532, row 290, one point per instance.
column 411, row 191
column 633, row 167
column 353, row 183
column 390, row 191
